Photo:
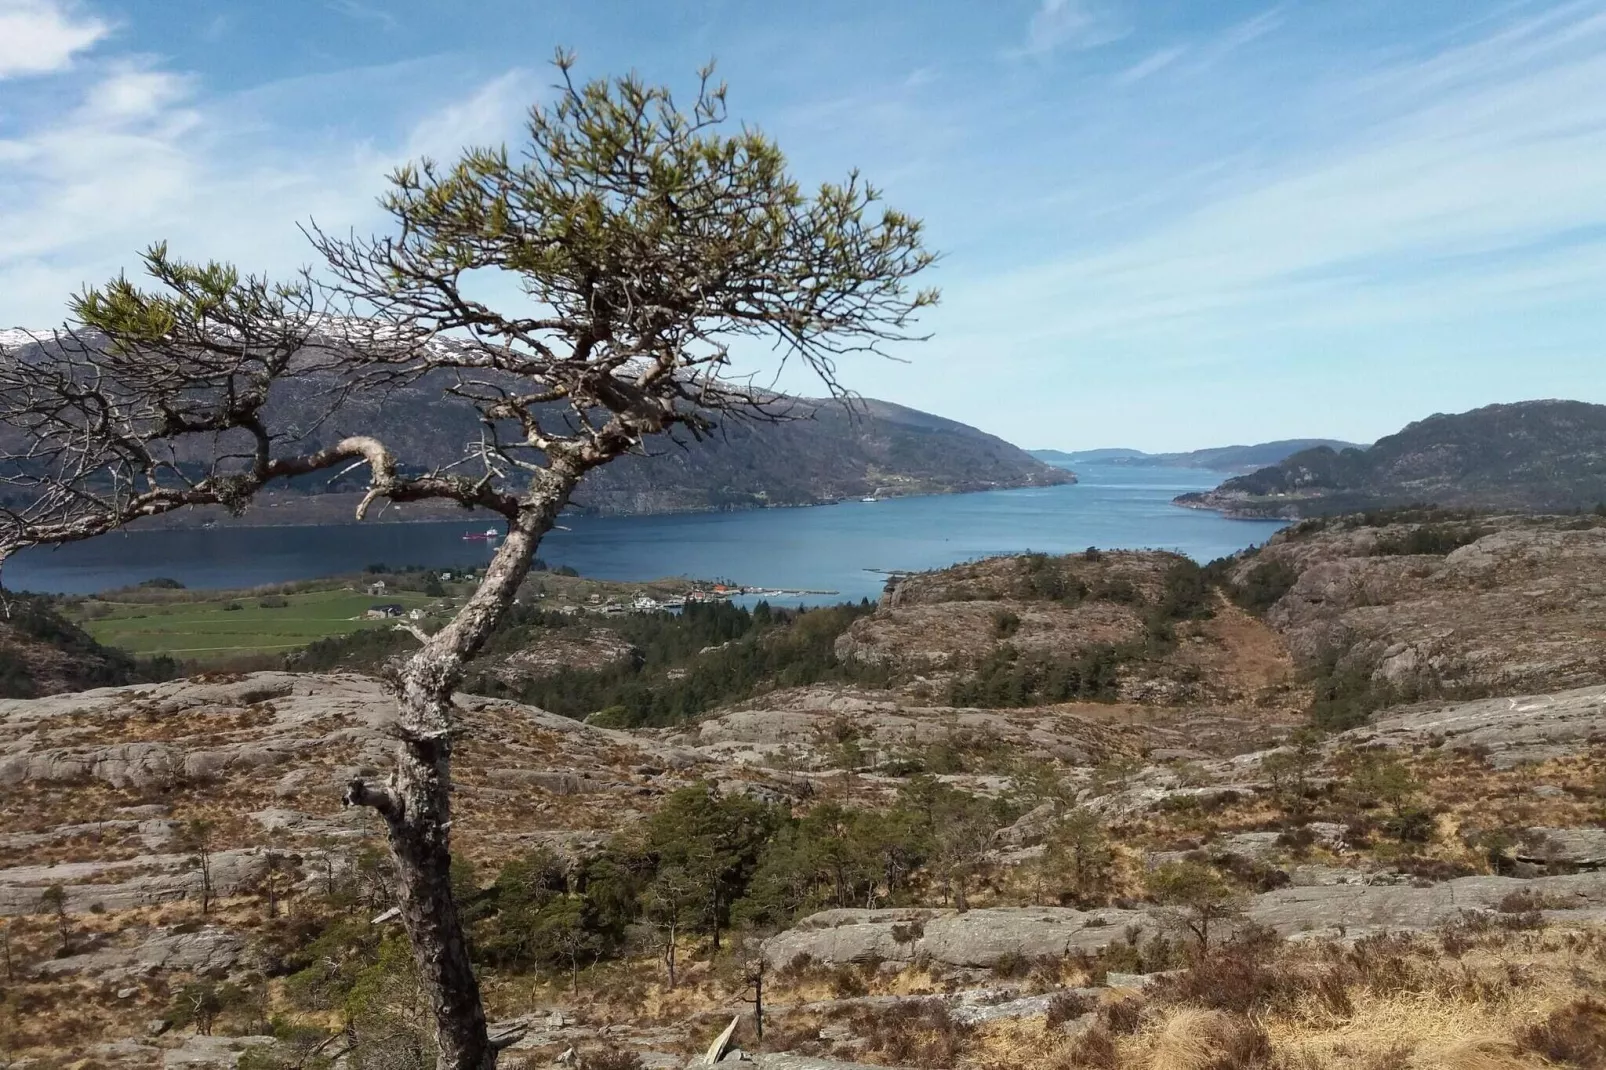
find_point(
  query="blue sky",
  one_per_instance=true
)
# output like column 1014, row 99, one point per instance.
column 1165, row 224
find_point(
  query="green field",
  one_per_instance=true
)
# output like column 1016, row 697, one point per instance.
column 199, row 629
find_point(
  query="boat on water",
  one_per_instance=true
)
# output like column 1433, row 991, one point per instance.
column 488, row 535
column 869, row 499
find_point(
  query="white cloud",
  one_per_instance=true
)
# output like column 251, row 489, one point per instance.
column 129, row 95
column 1076, row 24
column 41, row 36
column 484, row 118
column 139, row 157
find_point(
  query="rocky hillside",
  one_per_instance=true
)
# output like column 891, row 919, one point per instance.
column 1466, row 832
column 1028, row 811
column 1533, row 456
column 1134, row 627
column 43, row 653
column 1435, row 604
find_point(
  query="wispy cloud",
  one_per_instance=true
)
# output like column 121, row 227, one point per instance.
column 42, row 36
column 139, row 156
column 1073, row 24
column 1153, row 63
column 1467, row 168
column 364, row 12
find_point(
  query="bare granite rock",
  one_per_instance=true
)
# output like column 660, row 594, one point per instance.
column 210, row 951
column 974, row 939
column 1584, row 848
column 144, row 880
column 981, row 938
column 205, row 1053
column 1518, row 610
column 1509, row 731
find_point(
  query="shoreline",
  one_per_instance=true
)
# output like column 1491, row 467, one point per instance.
column 454, row 514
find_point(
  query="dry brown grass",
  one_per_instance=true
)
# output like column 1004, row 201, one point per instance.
column 1482, row 1053
column 1194, row 1039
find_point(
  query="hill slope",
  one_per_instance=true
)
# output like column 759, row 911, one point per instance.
column 827, row 450
column 1214, row 459
column 43, row 653
column 1531, row 456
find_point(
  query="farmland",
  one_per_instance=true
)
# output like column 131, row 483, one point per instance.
column 210, row 626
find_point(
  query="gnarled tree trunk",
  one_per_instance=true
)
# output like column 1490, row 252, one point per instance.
column 416, row 802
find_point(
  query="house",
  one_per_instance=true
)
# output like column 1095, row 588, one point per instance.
column 415, row 614
column 377, row 588
column 386, row 611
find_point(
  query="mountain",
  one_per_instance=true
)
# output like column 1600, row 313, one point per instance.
column 1104, row 456
column 1531, row 456
column 1215, row 459
column 826, row 451
column 878, row 449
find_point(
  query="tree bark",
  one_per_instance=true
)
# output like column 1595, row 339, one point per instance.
column 416, row 803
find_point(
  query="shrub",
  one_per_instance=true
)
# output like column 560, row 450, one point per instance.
column 1436, row 870
column 1122, row 1017
column 1067, row 1006
column 914, row 1033
column 1012, row 964
column 1095, row 1048
column 274, row 601
column 1412, row 824
column 1264, row 586
column 600, row 1059
column 1430, row 539
column 232, row 607
column 1526, row 901
column 1574, row 1035
column 908, row 934
column 847, row 983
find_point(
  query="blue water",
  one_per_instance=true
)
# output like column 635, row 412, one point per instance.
column 833, row 547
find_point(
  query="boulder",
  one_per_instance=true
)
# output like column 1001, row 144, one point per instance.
column 1581, row 848
column 209, row 951
column 1030, row 828
column 1355, row 910
column 1508, row 731
column 123, row 884
column 975, row 939
column 980, row 939
column 198, row 1052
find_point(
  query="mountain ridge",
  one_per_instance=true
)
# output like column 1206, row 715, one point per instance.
column 1236, row 458
column 1536, row 456
column 826, row 451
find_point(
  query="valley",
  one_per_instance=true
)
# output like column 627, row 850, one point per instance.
column 1024, row 810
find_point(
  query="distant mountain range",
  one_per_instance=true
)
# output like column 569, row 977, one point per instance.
column 1215, row 459
column 827, row 452
column 1531, row 456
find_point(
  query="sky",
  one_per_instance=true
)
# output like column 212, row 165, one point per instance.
column 1164, row 224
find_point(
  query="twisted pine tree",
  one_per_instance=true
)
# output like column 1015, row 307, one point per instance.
column 645, row 241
